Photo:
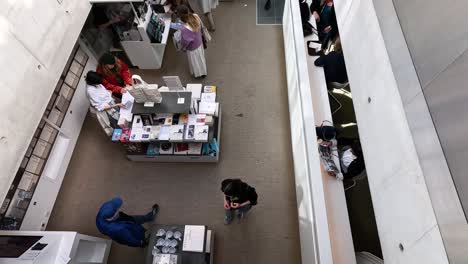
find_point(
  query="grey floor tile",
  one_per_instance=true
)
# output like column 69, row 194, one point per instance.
column 266, row 20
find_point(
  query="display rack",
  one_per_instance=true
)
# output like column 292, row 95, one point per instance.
column 52, row 131
column 179, row 112
column 145, row 53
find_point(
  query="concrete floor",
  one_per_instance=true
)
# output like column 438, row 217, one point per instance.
column 247, row 63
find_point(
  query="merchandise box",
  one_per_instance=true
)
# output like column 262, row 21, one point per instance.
column 56, row 117
column 72, row 80
column 61, row 103
column 48, row 134
column 76, row 68
column 81, row 57
column 28, row 181
column 35, row 165
column 66, row 91
column 42, row 149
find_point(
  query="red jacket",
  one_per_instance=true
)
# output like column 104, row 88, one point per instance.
column 111, row 83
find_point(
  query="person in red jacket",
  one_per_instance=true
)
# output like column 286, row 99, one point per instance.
column 115, row 74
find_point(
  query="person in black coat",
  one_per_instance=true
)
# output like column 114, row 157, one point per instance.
column 239, row 197
column 324, row 14
column 334, row 67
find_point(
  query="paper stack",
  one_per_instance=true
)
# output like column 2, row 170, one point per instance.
column 196, row 89
column 194, row 238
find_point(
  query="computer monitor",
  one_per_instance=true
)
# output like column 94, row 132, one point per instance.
column 15, row 246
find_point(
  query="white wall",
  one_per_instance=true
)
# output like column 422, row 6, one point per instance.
column 36, row 39
column 402, row 205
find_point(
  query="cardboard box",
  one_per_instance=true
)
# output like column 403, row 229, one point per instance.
column 81, row 57
column 48, row 134
column 71, row 80
column 76, row 68
column 56, row 117
column 35, row 165
column 42, row 149
column 66, row 91
column 61, row 103
column 28, row 181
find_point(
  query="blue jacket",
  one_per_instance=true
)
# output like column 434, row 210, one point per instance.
column 123, row 232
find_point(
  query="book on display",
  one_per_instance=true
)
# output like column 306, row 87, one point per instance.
column 196, row 89
column 116, row 134
column 208, row 108
column 208, row 97
column 209, row 89
column 189, row 133
column 164, row 133
column 181, row 149
column 194, row 238
column 146, row 134
column 125, row 136
column 137, row 121
column 194, row 148
column 154, row 134
column 201, row 133
column 135, row 135
column 177, row 133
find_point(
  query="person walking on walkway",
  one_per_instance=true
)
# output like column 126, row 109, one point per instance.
column 122, row 228
column 239, row 197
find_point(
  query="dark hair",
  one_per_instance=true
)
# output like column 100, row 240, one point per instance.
column 232, row 186
column 93, row 78
column 107, row 58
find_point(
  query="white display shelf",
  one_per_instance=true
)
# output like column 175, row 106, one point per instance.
column 183, row 158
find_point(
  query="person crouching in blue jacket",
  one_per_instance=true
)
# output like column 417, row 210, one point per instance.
column 122, row 228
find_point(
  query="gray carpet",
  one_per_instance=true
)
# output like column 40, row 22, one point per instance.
column 247, row 63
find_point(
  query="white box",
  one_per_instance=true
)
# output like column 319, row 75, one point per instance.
column 196, row 89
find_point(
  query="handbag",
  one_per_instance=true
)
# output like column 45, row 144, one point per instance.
column 142, row 92
column 206, row 37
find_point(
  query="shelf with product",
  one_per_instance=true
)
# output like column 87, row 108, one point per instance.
column 184, row 127
column 134, row 28
column 34, row 172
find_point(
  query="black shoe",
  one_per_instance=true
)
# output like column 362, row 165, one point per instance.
column 155, row 209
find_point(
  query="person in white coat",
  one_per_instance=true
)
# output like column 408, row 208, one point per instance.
column 101, row 98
